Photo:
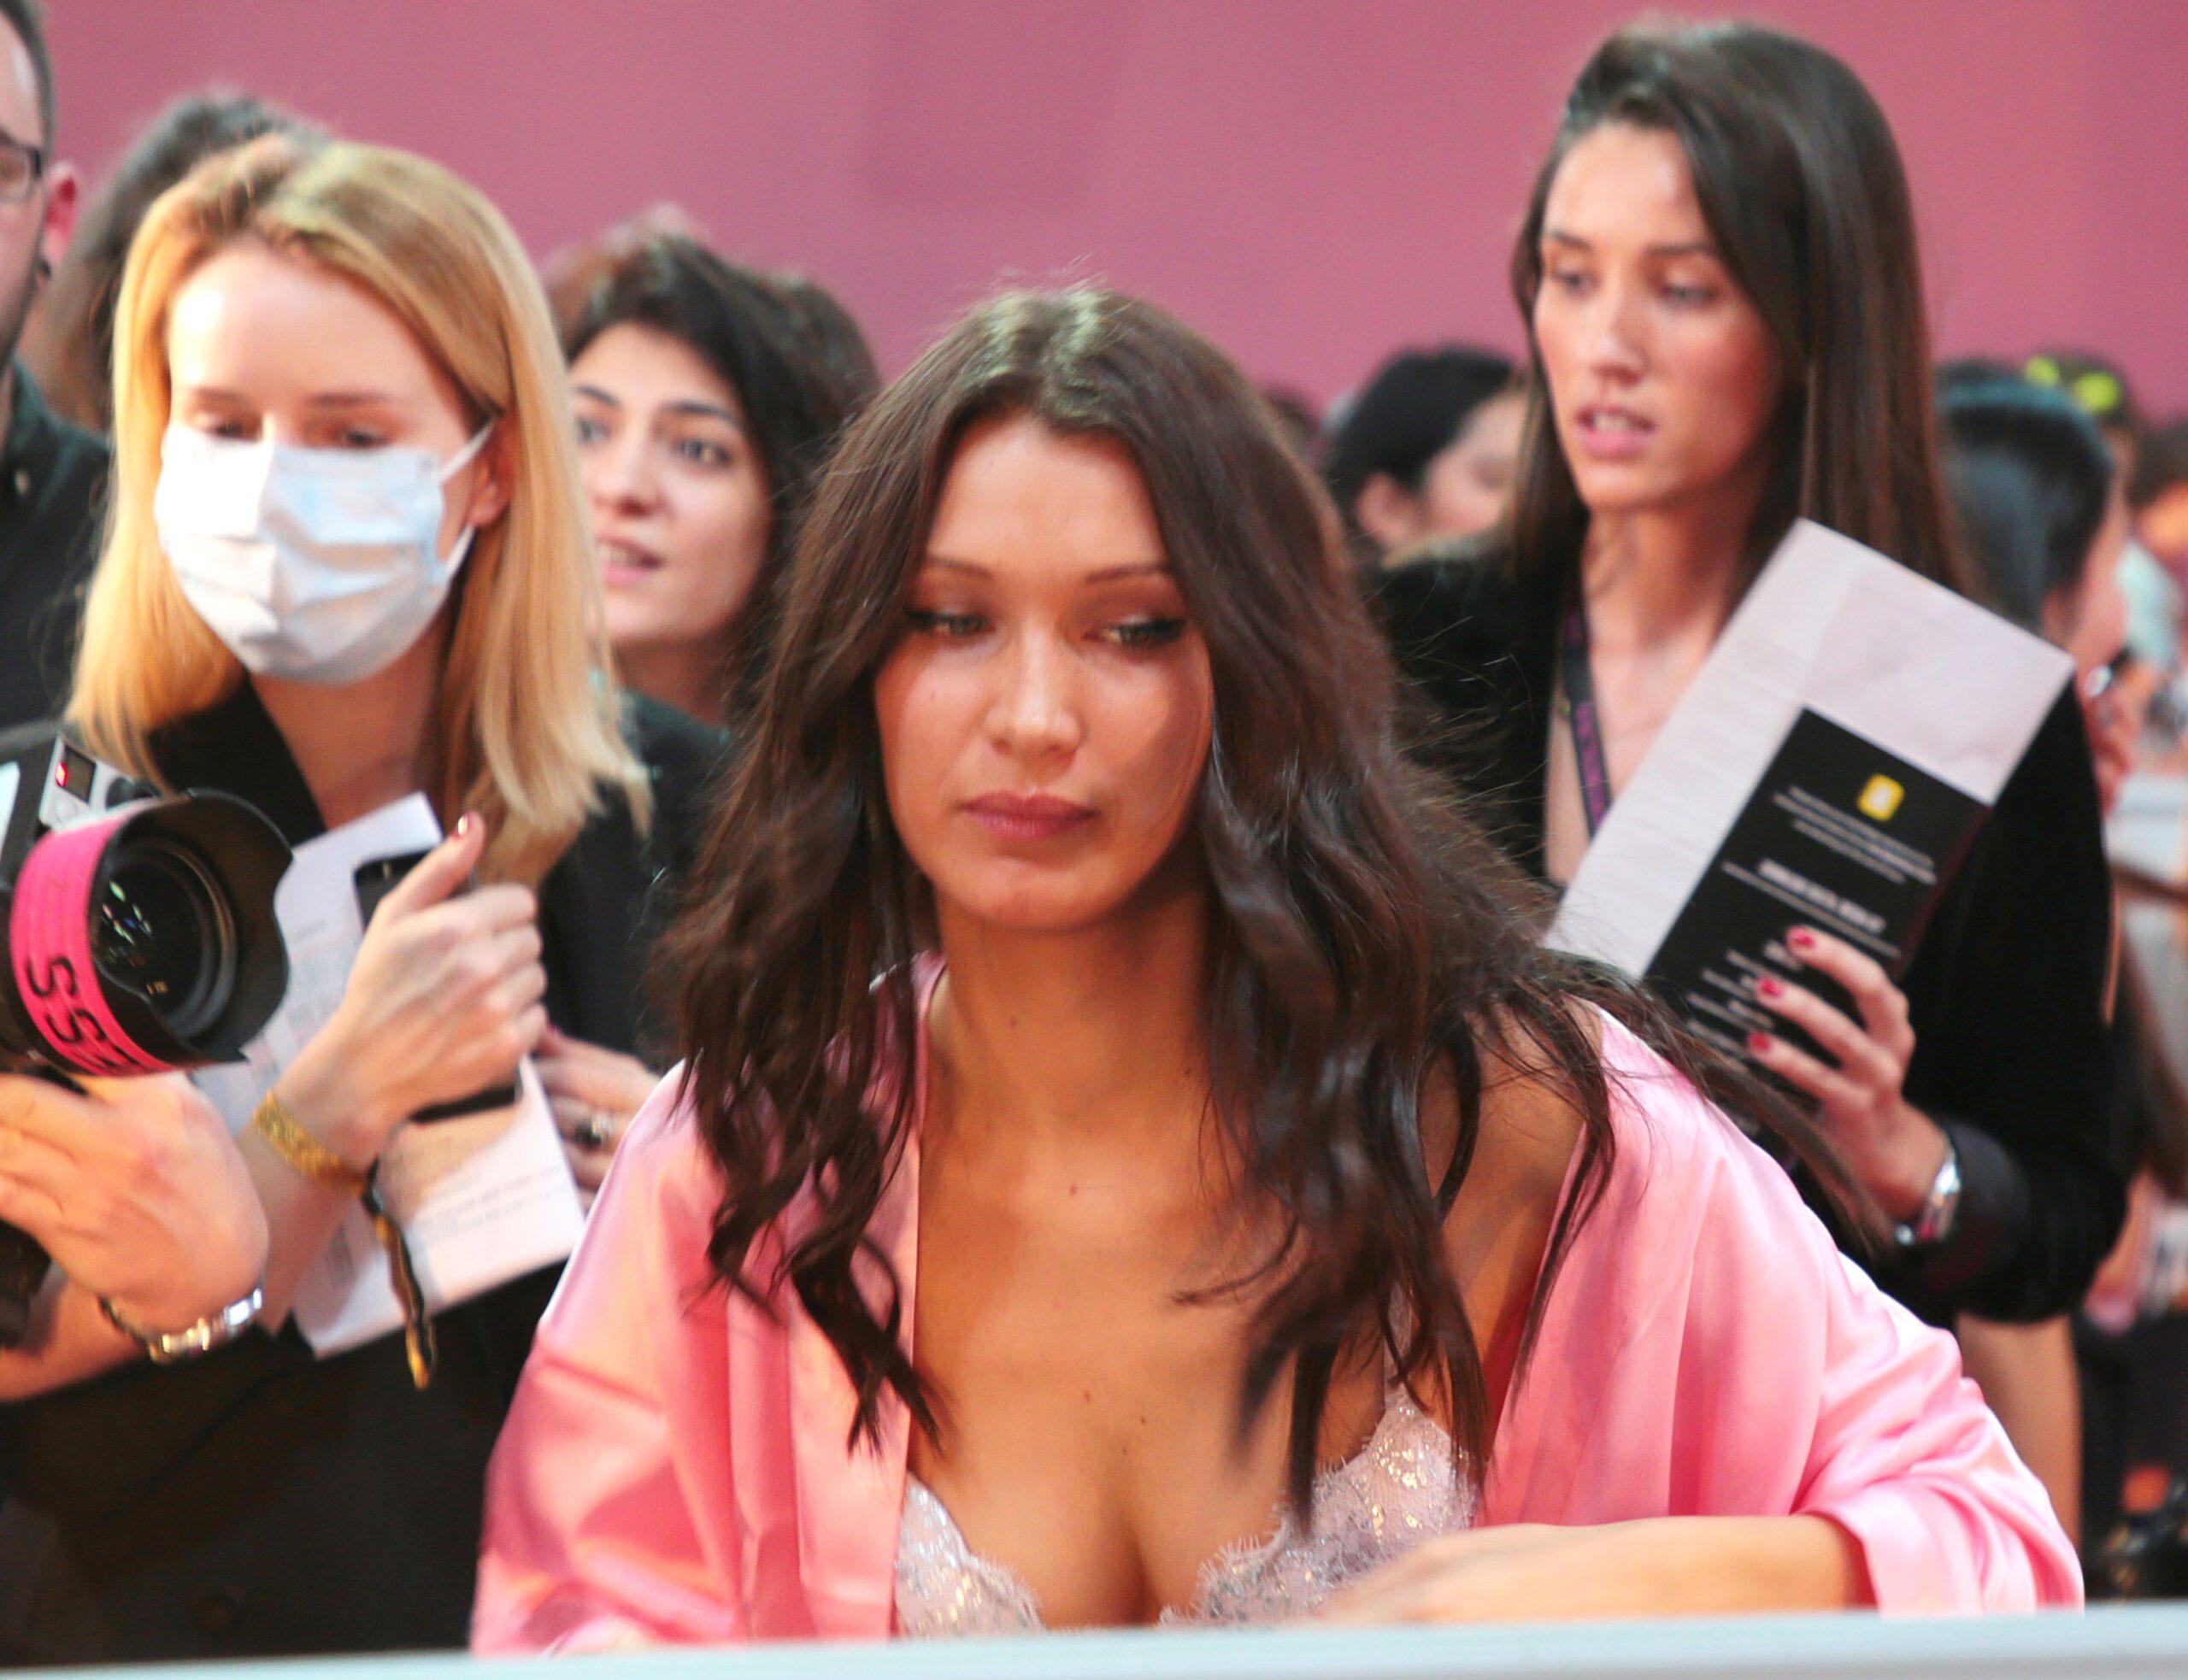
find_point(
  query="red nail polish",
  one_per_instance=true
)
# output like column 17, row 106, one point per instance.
column 1770, row 988
column 1759, row 1042
column 1800, row 939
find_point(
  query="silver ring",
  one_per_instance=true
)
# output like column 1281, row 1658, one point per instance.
column 597, row 1131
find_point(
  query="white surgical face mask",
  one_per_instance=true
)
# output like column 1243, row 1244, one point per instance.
column 322, row 565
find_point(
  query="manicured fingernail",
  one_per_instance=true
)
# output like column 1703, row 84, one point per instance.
column 1769, row 988
column 464, row 825
column 1760, row 1042
column 1800, row 939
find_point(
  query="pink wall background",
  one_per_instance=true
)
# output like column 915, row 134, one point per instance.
column 1313, row 181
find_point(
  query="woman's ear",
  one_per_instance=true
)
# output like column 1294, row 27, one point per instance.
column 61, row 203
column 495, row 481
column 1389, row 512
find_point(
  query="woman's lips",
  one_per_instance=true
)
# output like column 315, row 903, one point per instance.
column 1027, row 816
column 1605, row 431
column 624, row 564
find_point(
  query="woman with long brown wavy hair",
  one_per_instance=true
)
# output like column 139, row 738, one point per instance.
column 1135, row 1160
column 1721, row 281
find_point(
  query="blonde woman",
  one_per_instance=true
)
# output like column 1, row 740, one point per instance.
column 347, row 562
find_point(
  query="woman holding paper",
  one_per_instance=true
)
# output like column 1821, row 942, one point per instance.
column 348, row 565
column 1719, row 277
column 1135, row 1161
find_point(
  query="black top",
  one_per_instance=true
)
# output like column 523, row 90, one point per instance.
column 261, row 1502
column 2005, row 992
column 52, row 498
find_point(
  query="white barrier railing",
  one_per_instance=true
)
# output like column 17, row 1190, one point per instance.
column 2139, row 1642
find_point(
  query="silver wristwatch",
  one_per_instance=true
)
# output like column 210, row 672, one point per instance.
column 215, row 1331
column 1933, row 1220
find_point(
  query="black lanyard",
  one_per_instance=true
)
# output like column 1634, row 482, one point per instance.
column 1587, row 728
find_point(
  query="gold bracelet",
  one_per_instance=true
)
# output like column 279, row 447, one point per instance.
column 285, row 1135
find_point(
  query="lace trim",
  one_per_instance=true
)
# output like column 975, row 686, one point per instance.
column 944, row 1587
column 1397, row 1491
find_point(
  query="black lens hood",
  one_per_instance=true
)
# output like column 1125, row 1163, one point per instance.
column 246, row 856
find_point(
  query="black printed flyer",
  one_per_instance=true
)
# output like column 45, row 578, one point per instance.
column 1829, row 766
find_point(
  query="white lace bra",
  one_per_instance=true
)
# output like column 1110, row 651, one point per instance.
column 1397, row 1491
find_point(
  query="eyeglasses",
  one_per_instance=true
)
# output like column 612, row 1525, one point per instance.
column 21, row 168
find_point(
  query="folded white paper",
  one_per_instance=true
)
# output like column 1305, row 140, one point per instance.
column 1829, row 764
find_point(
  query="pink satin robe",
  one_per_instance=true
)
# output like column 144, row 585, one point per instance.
column 675, row 1469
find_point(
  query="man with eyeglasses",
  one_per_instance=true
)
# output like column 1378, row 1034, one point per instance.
column 52, row 474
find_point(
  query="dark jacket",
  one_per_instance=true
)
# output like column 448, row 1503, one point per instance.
column 2005, row 992
column 259, row 1501
column 52, row 498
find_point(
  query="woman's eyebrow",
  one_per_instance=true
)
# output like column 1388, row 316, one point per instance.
column 353, row 399
column 703, row 410
column 1678, row 248
column 1107, row 574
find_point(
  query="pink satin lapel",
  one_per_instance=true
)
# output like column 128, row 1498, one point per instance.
column 1588, row 1320
column 849, row 1500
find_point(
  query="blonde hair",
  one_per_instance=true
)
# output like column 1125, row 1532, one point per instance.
column 523, row 728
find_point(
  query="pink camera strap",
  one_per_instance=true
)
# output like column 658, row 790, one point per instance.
column 49, row 947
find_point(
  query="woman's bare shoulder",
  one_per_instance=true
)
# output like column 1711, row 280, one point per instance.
column 1531, row 1121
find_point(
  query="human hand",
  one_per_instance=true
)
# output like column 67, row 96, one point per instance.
column 444, row 1000
column 1894, row 1149
column 1509, row 1573
column 136, row 1191
column 593, row 1092
column 1652, row 1566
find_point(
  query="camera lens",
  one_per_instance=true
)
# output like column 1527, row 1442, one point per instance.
column 163, row 930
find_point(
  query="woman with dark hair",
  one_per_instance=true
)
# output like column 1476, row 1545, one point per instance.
column 1135, row 1159
column 1719, row 274
column 1427, row 450
column 2038, row 499
column 707, row 396
column 2033, row 489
